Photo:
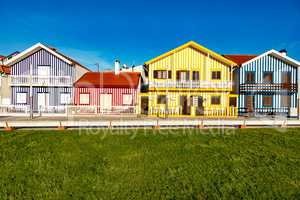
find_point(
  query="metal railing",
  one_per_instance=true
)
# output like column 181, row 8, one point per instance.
column 24, row 80
column 79, row 110
column 266, row 87
column 192, row 84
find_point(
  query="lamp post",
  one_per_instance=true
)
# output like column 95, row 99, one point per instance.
column 30, row 92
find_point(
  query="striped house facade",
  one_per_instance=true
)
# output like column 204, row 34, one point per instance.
column 108, row 92
column 46, row 75
column 268, row 84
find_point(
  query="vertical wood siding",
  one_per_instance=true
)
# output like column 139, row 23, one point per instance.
column 117, row 95
column 57, row 68
column 272, row 64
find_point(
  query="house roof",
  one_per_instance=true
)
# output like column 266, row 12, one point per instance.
column 36, row 48
column 240, row 59
column 2, row 57
column 4, row 69
column 276, row 54
column 196, row 46
column 109, row 80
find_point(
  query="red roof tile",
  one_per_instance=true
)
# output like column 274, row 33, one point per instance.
column 109, row 80
column 2, row 57
column 240, row 59
column 4, row 69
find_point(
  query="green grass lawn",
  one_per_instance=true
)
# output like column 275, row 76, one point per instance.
column 166, row 164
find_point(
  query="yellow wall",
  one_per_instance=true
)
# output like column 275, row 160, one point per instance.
column 189, row 59
column 193, row 60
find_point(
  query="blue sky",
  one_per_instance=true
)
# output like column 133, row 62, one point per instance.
column 135, row 31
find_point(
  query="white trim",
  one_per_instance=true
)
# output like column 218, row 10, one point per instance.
column 276, row 54
column 32, row 49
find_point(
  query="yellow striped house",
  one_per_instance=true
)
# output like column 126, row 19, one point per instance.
column 190, row 81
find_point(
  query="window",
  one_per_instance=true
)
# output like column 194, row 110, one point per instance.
column 250, row 77
column 162, row 74
column 285, row 101
column 232, row 102
column 268, row 77
column 267, row 101
column 43, row 71
column 195, row 76
column 21, row 98
column 84, row 99
column 5, row 101
column 286, row 77
column 183, row 75
column 161, row 99
column 215, row 100
column 127, row 99
column 65, row 98
column 216, row 75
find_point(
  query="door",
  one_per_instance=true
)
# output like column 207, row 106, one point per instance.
column 200, row 108
column 185, row 104
column 250, row 104
column 43, row 101
column 144, row 105
column 106, row 102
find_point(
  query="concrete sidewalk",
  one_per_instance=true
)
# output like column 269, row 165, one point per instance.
column 89, row 122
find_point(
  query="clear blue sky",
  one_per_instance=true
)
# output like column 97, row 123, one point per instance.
column 135, row 31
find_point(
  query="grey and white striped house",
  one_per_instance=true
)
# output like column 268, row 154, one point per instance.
column 46, row 75
column 267, row 83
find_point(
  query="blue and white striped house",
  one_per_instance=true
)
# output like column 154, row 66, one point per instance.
column 42, row 79
column 267, row 83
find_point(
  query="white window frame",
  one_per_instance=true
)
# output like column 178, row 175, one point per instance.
column 21, row 98
column 43, row 66
column 65, row 98
column 127, row 99
column 84, row 99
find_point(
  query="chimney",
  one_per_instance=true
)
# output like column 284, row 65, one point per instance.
column 117, row 67
column 283, row 52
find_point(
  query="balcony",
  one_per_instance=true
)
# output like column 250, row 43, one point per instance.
column 192, row 84
column 267, row 87
column 27, row 80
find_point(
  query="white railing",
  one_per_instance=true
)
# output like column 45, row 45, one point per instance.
column 79, row 110
column 24, row 80
column 192, row 84
column 178, row 111
column 7, row 110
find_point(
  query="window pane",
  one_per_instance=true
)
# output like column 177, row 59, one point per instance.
column 285, row 101
column 22, row 98
column 250, row 77
column 268, row 77
column 216, row 75
column 84, row 98
column 127, row 99
column 161, row 99
column 215, row 100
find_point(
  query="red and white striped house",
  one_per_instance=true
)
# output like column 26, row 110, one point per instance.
column 109, row 92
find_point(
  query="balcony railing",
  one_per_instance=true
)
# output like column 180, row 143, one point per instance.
column 266, row 87
column 26, row 80
column 192, row 84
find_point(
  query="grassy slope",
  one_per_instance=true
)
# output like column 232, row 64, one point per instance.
column 258, row 163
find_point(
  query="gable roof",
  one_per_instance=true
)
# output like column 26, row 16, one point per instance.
column 276, row 54
column 36, row 48
column 2, row 57
column 196, row 46
column 239, row 59
column 109, row 80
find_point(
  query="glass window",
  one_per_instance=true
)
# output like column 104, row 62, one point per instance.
column 65, row 98
column 216, row 75
column 84, row 99
column 127, row 99
column 232, row 102
column 268, row 77
column 286, row 77
column 162, row 74
column 21, row 98
column 250, row 77
column 161, row 99
column 216, row 100
column 195, row 76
